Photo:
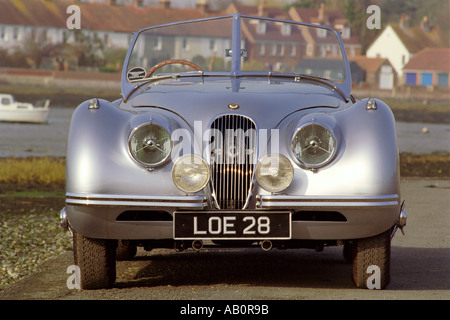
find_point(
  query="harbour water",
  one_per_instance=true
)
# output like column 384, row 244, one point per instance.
column 39, row 140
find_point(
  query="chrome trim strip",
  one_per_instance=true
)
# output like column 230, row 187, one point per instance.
column 191, row 202
column 284, row 201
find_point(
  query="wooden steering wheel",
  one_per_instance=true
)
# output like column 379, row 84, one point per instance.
column 164, row 63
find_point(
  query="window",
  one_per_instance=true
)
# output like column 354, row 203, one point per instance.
column 65, row 36
column 281, row 53
column 273, row 49
column 286, row 29
column 262, row 49
column 345, row 33
column 321, row 33
column 157, row 43
column 185, row 44
column 6, row 101
column 106, row 39
column 309, row 49
column 293, row 50
column 16, row 33
column 261, row 27
column 212, row 45
column 3, row 34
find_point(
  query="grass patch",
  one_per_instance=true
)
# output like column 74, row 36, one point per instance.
column 40, row 171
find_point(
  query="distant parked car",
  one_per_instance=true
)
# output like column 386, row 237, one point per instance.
column 224, row 137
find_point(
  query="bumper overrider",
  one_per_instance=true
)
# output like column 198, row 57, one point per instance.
column 310, row 217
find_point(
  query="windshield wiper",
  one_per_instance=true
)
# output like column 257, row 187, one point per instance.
column 324, row 81
column 146, row 81
column 299, row 77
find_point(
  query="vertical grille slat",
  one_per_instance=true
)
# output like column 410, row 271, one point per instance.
column 233, row 141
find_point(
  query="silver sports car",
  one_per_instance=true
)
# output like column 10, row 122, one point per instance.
column 233, row 131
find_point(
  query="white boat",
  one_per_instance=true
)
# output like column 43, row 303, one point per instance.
column 13, row 111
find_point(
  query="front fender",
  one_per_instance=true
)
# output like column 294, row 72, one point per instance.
column 98, row 159
column 366, row 161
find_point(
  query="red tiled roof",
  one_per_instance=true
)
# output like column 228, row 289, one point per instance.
column 94, row 16
column 332, row 18
column 416, row 39
column 269, row 12
column 430, row 59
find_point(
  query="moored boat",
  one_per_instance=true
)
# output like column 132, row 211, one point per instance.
column 14, row 111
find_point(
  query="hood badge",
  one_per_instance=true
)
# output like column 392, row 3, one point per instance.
column 233, row 106
column 137, row 73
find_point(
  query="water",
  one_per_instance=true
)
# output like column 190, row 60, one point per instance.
column 38, row 140
column 413, row 139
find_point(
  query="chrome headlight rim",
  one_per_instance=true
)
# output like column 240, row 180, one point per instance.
column 203, row 163
column 282, row 187
column 332, row 154
column 143, row 163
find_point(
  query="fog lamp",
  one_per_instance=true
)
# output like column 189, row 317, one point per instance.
column 274, row 173
column 190, row 173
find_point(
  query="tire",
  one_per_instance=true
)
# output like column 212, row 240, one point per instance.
column 126, row 250
column 96, row 259
column 371, row 261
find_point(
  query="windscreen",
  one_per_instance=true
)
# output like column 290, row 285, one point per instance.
column 284, row 47
column 266, row 45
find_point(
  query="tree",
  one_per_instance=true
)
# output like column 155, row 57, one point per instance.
column 37, row 47
column 356, row 15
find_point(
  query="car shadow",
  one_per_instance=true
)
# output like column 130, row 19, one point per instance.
column 246, row 266
column 411, row 268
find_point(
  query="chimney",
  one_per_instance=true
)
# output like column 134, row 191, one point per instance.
column 322, row 13
column 111, row 2
column 165, row 4
column 261, row 7
column 404, row 21
column 202, row 5
column 425, row 24
column 138, row 3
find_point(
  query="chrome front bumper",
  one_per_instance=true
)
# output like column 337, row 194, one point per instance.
column 96, row 215
column 182, row 202
column 325, row 202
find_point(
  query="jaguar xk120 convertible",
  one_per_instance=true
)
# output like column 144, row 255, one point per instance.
column 233, row 131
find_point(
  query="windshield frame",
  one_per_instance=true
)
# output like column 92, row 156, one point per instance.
column 343, row 87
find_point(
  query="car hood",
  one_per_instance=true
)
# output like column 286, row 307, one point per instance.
column 266, row 101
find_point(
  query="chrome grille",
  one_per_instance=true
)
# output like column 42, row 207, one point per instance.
column 233, row 143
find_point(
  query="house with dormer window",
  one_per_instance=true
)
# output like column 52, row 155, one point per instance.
column 330, row 18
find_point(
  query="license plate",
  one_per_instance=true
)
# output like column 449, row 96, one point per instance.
column 232, row 225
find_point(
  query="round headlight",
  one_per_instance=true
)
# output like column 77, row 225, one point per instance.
column 190, row 173
column 314, row 145
column 274, row 173
column 150, row 144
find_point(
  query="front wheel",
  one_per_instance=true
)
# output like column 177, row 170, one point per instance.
column 371, row 261
column 96, row 259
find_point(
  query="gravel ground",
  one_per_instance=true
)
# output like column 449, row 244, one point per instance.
column 30, row 233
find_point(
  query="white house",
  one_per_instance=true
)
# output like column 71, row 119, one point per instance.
column 389, row 45
column 399, row 42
